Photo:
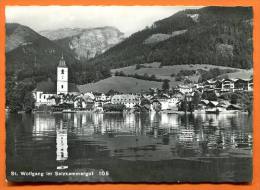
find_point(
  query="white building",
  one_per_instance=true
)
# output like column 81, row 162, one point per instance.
column 62, row 77
column 185, row 89
column 129, row 100
column 46, row 90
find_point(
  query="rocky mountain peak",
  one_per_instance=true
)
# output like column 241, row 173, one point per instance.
column 85, row 43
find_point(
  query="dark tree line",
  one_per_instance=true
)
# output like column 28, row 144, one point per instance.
column 223, row 36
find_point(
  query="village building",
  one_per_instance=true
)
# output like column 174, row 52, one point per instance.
column 185, row 89
column 209, row 84
column 228, row 85
column 129, row 100
column 243, row 85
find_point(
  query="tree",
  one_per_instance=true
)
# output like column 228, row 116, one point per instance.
column 137, row 66
column 183, row 105
column 165, row 85
column 196, row 99
column 28, row 103
column 144, row 101
column 234, row 98
column 19, row 96
column 209, row 95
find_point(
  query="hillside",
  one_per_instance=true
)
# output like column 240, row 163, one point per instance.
column 18, row 35
column 171, row 72
column 133, row 85
column 211, row 35
column 35, row 57
column 120, row 84
column 85, row 43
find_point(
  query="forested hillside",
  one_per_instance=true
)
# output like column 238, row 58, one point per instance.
column 30, row 55
column 210, row 35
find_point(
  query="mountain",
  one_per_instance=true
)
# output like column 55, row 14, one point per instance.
column 85, row 43
column 32, row 56
column 210, row 35
column 28, row 52
column 18, row 35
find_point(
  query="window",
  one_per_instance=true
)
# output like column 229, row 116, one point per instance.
column 44, row 97
column 61, row 86
column 62, row 71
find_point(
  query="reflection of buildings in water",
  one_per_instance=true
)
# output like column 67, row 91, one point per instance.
column 212, row 119
column 186, row 135
column 77, row 120
column 84, row 119
column 242, row 140
column 61, row 144
column 169, row 121
column 228, row 120
column 201, row 117
column 97, row 119
column 121, row 123
column 188, row 144
column 67, row 116
column 218, row 140
column 131, row 123
column 85, row 123
column 153, row 116
column 129, row 119
column 43, row 123
column 155, row 132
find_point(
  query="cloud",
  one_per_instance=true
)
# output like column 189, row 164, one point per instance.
column 127, row 19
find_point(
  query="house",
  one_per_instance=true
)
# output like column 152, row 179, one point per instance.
column 233, row 107
column 156, row 105
column 44, row 92
column 178, row 96
column 243, row 85
column 199, row 87
column 185, row 89
column 250, row 85
column 204, row 103
column 209, row 84
column 89, row 100
column 228, row 85
column 129, row 100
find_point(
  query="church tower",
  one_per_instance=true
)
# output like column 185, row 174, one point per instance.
column 62, row 77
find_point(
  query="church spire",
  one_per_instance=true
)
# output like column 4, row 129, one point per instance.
column 62, row 62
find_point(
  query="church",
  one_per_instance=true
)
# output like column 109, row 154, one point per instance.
column 46, row 90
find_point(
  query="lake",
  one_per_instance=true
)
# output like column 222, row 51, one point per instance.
column 117, row 147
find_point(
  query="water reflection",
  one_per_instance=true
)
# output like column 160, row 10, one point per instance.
column 61, row 145
column 129, row 136
column 82, row 139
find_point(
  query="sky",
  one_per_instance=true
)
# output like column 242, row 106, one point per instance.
column 128, row 19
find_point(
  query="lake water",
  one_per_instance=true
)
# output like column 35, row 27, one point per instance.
column 146, row 147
